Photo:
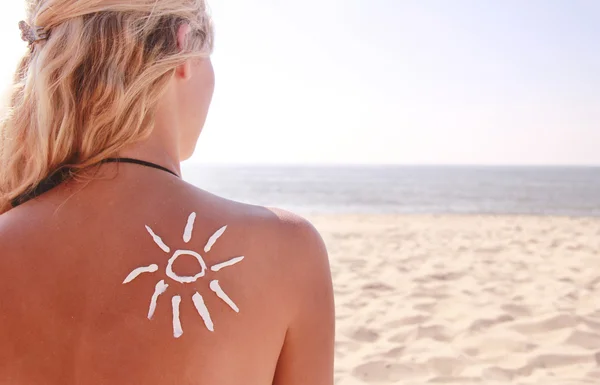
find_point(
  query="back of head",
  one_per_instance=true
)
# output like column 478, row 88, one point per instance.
column 91, row 87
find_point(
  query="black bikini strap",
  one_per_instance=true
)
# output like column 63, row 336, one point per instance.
column 63, row 174
column 140, row 163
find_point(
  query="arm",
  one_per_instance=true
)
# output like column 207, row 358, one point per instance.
column 308, row 351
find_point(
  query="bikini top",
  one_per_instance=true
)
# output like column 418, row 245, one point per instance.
column 63, row 174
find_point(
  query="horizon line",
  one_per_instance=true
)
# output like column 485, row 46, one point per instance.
column 437, row 165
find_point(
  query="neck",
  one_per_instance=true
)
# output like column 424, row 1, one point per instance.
column 154, row 154
column 161, row 147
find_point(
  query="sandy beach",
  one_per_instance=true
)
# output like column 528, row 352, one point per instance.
column 465, row 299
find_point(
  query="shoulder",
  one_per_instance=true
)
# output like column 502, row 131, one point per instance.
column 303, row 257
column 288, row 240
column 291, row 231
column 292, row 252
column 298, row 235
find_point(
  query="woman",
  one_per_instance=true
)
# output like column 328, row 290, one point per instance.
column 114, row 270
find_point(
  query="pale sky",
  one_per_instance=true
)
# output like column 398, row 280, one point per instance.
column 398, row 81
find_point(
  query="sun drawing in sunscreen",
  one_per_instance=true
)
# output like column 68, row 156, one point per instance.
column 197, row 299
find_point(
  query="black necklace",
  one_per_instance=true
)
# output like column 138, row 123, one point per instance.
column 140, row 163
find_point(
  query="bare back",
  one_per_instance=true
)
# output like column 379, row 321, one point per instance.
column 83, row 266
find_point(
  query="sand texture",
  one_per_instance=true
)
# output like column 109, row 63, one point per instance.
column 465, row 300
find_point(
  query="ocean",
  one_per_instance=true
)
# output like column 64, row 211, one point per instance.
column 564, row 191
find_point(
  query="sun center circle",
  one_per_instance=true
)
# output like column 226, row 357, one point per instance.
column 171, row 274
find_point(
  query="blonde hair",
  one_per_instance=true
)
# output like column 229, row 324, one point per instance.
column 91, row 88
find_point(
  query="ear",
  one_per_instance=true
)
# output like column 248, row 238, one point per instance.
column 183, row 71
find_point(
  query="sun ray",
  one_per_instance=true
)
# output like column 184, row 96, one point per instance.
column 159, row 242
column 214, row 286
column 189, row 228
column 223, row 265
column 160, row 288
column 203, row 311
column 177, row 330
column 211, row 242
column 139, row 271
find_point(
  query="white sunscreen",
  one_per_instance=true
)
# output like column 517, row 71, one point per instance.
column 177, row 330
column 211, row 242
column 223, row 265
column 140, row 270
column 189, row 228
column 160, row 288
column 203, row 311
column 171, row 274
column 198, row 300
column 158, row 240
column 214, row 286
